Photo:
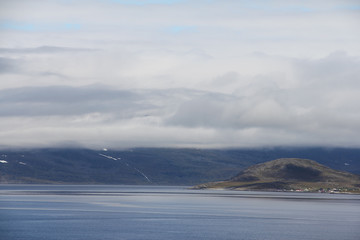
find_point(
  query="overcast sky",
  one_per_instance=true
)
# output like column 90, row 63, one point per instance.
column 179, row 73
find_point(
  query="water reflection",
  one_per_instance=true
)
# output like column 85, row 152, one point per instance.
column 151, row 212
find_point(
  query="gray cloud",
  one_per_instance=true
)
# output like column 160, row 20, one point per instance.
column 321, row 108
column 334, row 71
column 262, row 112
column 64, row 100
column 44, row 49
column 270, row 116
column 8, row 65
column 234, row 112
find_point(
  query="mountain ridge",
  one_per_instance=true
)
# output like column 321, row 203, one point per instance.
column 162, row 166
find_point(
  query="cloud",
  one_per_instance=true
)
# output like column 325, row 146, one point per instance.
column 64, row 101
column 181, row 29
column 36, row 27
column 337, row 70
column 43, row 49
column 146, row 2
column 95, row 116
column 42, row 64
column 322, row 103
column 8, row 65
column 179, row 73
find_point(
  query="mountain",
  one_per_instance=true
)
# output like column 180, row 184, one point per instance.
column 291, row 174
column 160, row 166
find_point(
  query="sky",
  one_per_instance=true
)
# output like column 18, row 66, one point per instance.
column 179, row 73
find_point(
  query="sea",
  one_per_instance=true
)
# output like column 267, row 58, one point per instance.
column 118, row 212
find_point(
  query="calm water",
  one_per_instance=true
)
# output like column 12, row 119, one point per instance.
column 140, row 212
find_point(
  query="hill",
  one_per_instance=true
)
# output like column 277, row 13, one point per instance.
column 161, row 166
column 291, row 174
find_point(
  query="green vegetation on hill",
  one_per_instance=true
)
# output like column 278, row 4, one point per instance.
column 291, row 174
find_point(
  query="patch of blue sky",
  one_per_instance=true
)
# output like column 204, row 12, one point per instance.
column 7, row 25
column 349, row 7
column 35, row 27
column 271, row 7
column 181, row 29
column 147, row 2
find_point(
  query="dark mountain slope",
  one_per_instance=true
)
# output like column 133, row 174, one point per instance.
column 159, row 165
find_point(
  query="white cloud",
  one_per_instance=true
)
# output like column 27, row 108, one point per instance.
column 183, row 73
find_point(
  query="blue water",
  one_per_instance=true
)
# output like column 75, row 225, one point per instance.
column 146, row 212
